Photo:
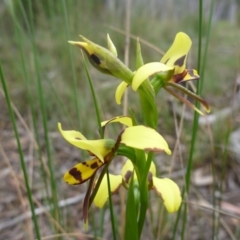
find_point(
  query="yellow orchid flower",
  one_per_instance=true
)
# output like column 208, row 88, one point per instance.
column 174, row 61
column 169, row 72
column 103, row 150
column 168, row 190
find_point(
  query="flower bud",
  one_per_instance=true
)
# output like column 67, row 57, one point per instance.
column 105, row 60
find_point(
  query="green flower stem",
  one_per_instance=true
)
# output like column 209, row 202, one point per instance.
column 158, row 81
column 147, row 99
column 131, row 226
column 143, row 188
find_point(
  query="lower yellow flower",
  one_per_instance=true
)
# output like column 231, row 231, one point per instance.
column 103, row 150
column 167, row 189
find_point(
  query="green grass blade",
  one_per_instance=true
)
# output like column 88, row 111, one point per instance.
column 19, row 32
column 55, row 210
column 70, row 52
column 201, row 70
column 23, row 165
column 194, row 127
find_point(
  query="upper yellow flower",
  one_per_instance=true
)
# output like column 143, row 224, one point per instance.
column 174, row 60
column 169, row 72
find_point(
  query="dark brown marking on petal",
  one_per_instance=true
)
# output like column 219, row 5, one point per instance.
column 77, row 138
column 179, row 77
column 127, row 176
column 85, row 163
column 179, row 62
column 76, row 174
column 95, row 59
column 94, row 165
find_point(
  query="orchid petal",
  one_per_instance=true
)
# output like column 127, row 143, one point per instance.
column 169, row 193
column 82, row 171
column 144, row 138
column 146, row 71
column 99, row 148
column 120, row 91
column 177, row 54
column 102, row 193
column 191, row 75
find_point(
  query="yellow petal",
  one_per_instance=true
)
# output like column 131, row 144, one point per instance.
column 144, row 138
column 169, row 193
column 120, row 119
column 82, row 171
column 120, row 91
column 146, row 71
column 102, row 193
column 191, row 75
column 73, row 133
column 177, row 54
column 99, row 148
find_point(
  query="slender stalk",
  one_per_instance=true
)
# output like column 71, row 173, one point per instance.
column 127, row 45
column 125, row 100
column 215, row 215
